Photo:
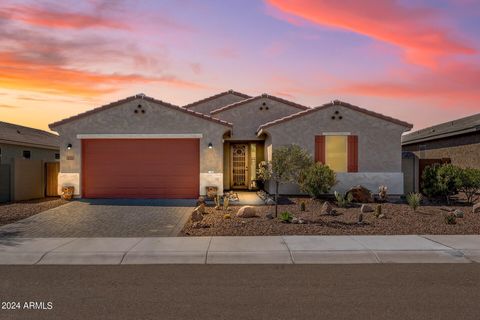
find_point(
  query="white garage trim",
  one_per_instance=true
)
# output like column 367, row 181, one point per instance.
column 139, row 136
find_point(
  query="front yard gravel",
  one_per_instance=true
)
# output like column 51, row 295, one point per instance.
column 12, row 212
column 400, row 219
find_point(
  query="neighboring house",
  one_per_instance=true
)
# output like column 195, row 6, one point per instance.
column 146, row 148
column 25, row 155
column 456, row 142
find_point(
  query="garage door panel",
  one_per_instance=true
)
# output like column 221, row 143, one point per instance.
column 140, row 168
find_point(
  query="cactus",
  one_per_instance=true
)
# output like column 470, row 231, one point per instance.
column 226, row 202
column 378, row 210
column 302, row 206
column 217, row 202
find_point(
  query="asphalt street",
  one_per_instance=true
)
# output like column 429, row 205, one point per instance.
column 383, row 291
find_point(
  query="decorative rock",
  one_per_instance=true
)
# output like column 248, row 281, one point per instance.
column 326, row 208
column 197, row 214
column 382, row 216
column 360, row 218
column 301, row 221
column 366, row 208
column 227, row 216
column 476, row 208
column 458, row 213
column 382, row 193
column 360, row 194
column 269, row 216
column 247, row 212
column 269, row 202
column 200, row 200
column 294, row 220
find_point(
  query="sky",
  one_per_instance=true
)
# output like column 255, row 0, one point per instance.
column 415, row 60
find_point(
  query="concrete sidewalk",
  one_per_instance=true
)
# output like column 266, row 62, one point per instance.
column 238, row 250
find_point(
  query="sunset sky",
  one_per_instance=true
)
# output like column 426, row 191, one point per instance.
column 416, row 60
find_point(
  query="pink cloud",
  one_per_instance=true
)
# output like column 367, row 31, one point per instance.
column 414, row 30
column 39, row 16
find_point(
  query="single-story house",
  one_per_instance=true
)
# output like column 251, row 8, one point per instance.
column 28, row 157
column 456, row 142
column 143, row 147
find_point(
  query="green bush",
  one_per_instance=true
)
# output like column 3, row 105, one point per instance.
column 286, row 217
column 430, row 186
column 450, row 219
column 469, row 183
column 302, row 206
column 414, row 200
column 318, row 179
column 343, row 201
column 448, row 177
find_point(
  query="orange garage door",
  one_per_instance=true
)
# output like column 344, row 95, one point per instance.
column 140, row 168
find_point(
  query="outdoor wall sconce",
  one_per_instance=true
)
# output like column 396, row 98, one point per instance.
column 210, row 146
column 69, row 146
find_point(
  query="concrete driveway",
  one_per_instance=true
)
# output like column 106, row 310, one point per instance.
column 105, row 218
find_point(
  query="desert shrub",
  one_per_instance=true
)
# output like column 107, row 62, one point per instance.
column 286, row 216
column 318, row 179
column 302, row 206
column 343, row 200
column 450, row 218
column 414, row 200
column 469, row 183
column 430, row 186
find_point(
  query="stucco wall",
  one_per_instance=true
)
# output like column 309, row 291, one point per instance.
column 379, row 149
column 10, row 151
column 246, row 118
column 210, row 105
column 157, row 119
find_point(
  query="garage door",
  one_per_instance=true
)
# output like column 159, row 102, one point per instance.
column 140, row 168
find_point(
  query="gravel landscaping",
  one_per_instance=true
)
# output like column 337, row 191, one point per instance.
column 12, row 212
column 400, row 219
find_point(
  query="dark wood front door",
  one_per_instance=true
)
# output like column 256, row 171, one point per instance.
column 239, row 166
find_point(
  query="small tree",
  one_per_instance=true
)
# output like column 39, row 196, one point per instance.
column 448, row 177
column 318, row 179
column 430, row 185
column 470, row 183
column 288, row 165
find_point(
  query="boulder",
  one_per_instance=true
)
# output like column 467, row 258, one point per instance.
column 360, row 194
column 269, row 202
column 458, row 213
column 327, row 209
column 269, row 216
column 197, row 214
column 476, row 208
column 294, row 220
column 366, row 208
column 247, row 212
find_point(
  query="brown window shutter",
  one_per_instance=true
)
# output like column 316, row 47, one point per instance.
column 352, row 153
column 320, row 149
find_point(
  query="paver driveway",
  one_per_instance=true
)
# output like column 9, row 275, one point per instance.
column 105, row 218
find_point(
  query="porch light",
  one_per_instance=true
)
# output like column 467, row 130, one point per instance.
column 69, row 146
column 210, row 146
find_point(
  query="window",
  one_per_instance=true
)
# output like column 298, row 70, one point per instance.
column 26, row 154
column 339, row 152
column 336, row 153
column 57, row 156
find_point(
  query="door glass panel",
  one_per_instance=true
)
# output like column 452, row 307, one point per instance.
column 253, row 161
column 239, row 161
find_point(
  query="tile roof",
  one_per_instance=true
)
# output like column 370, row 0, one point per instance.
column 15, row 134
column 193, row 104
column 335, row 103
column 144, row 97
column 236, row 104
column 443, row 130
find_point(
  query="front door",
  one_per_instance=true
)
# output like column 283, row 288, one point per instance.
column 239, row 166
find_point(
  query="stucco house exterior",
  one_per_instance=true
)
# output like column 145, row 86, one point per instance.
column 456, row 142
column 146, row 148
column 25, row 155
